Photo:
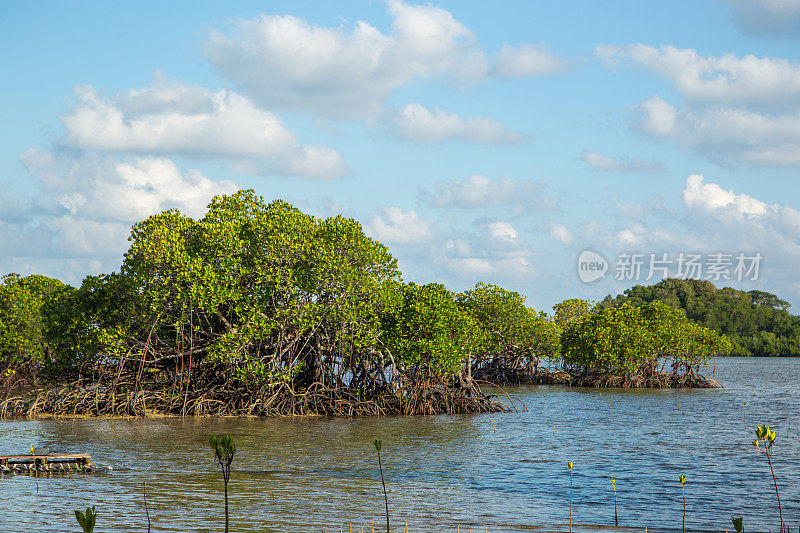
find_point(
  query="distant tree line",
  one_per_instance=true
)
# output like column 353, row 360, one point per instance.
column 756, row 322
column 260, row 308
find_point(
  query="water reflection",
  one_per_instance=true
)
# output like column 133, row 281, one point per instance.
column 501, row 472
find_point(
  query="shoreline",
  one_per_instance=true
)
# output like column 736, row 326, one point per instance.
column 607, row 380
column 97, row 404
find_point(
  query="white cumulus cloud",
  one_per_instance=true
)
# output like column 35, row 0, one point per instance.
column 502, row 231
column 560, row 233
column 479, row 191
column 87, row 203
column 730, row 79
column 718, row 220
column 287, row 63
column 526, row 61
column 757, row 138
column 495, row 252
column 657, row 117
column 419, row 124
column 713, row 198
column 396, row 226
column 436, row 250
column 171, row 118
column 741, row 108
column 615, row 164
column 779, row 18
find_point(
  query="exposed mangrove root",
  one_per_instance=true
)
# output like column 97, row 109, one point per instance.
column 101, row 399
column 661, row 380
column 630, row 380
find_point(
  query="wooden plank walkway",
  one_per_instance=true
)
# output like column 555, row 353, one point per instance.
column 52, row 462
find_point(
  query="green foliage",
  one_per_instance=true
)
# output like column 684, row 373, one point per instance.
column 763, row 433
column 614, row 486
column 264, row 297
column 571, row 311
column 682, row 479
column 756, row 322
column 768, row 436
column 569, row 465
column 254, row 282
column 83, row 324
column 22, row 323
column 223, row 447
column 87, row 519
column 737, row 524
column 629, row 339
column 511, row 332
column 428, row 333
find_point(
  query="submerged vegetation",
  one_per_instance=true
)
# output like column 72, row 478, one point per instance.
column 260, row 309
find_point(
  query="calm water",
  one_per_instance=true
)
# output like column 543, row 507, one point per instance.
column 501, row 472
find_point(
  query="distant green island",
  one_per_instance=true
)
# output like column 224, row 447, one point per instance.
column 260, row 309
column 756, row 322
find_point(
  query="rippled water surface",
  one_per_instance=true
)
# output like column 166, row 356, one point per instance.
column 498, row 472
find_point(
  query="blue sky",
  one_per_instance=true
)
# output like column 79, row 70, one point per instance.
column 480, row 142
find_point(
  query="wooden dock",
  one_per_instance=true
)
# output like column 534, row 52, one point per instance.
column 52, row 462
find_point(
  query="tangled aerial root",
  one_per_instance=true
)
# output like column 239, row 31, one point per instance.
column 661, row 380
column 419, row 397
column 631, row 380
column 99, row 399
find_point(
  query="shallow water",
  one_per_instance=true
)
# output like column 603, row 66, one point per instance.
column 494, row 472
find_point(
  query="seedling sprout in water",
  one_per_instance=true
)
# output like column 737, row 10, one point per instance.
column 767, row 436
column 224, row 448
column 377, row 444
column 569, row 465
column 682, row 479
column 614, row 485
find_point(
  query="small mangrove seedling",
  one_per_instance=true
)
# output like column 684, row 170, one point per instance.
column 87, row 519
column 737, row 524
column 614, row 485
column 146, row 510
column 35, row 468
column 377, row 444
column 767, row 436
column 569, row 465
column 682, row 479
column 224, row 448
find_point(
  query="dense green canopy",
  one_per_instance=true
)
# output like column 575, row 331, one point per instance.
column 638, row 339
column 512, row 337
column 22, row 324
column 264, row 290
column 259, row 299
column 427, row 332
column 756, row 322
